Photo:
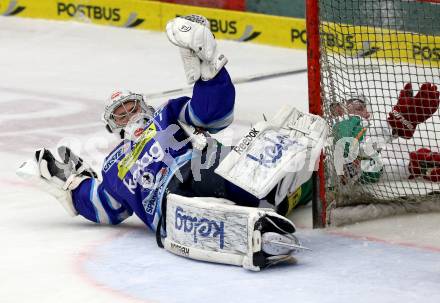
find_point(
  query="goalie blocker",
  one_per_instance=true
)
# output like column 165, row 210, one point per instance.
column 216, row 230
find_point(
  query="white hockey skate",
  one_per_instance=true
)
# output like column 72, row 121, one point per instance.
column 277, row 244
column 58, row 178
column 281, row 248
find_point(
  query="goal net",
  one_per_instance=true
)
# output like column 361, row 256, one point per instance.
column 361, row 53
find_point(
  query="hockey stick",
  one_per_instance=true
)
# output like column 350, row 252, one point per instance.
column 240, row 80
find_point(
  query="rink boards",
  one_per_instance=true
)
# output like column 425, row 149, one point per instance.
column 352, row 41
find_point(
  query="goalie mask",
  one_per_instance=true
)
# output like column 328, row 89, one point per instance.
column 126, row 114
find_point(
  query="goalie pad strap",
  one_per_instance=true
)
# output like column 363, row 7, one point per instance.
column 203, row 255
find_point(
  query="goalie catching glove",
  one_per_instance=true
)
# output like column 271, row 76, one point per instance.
column 198, row 47
column 216, row 230
column 58, row 178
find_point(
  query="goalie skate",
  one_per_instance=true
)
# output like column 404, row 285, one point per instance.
column 278, row 244
column 282, row 259
column 55, row 177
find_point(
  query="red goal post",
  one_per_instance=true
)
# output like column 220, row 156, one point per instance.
column 315, row 105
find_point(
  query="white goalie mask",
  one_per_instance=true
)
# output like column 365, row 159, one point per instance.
column 126, row 113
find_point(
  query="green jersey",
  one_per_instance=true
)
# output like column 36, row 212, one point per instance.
column 352, row 128
column 362, row 168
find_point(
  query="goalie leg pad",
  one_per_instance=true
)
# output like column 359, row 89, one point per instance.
column 214, row 230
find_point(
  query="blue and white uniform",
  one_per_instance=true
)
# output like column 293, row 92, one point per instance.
column 135, row 175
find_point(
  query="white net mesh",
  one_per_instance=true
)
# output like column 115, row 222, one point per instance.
column 374, row 47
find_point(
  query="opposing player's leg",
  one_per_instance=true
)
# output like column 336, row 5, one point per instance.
column 300, row 197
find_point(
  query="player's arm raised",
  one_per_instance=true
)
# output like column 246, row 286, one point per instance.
column 212, row 103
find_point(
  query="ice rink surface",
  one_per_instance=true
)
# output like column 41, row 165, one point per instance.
column 54, row 79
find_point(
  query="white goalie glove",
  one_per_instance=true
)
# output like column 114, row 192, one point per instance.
column 282, row 152
column 199, row 53
column 57, row 178
column 191, row 65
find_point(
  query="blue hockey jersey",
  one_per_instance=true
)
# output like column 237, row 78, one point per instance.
column 135, row 174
